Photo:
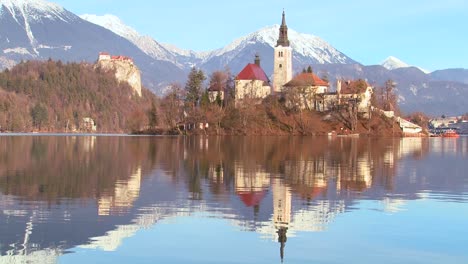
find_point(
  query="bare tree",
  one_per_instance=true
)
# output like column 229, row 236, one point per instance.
column 172, row 106
column 389, row 96
column 218, row 83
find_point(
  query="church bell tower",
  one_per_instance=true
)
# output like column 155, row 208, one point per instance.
column 282, row 72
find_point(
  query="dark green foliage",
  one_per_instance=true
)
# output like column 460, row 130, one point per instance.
column 39, row 115
column 309, row 69
column 205, row 99
column 194, row 87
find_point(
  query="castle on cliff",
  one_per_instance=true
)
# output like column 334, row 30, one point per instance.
column 125, row 69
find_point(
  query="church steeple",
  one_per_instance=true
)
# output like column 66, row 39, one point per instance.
column 282, row 71
column 282, row 238
column 283, row 33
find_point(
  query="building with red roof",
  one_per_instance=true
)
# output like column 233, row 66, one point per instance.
column 252, row 82
column 303, row 89
column 307, row 79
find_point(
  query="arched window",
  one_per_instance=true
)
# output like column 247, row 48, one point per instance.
column 281, row 66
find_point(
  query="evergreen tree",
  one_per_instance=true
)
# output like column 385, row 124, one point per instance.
column 309, row 69
column 194, row 86
column 39, row 115
column 205, row 99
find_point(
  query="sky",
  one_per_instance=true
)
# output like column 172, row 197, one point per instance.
column 431, row 34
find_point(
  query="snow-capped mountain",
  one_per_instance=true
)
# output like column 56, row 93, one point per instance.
column 37, row 29
column 307, row 49
column 392, row 63
column 304, row 45
column 22, row 16
column 146, row 43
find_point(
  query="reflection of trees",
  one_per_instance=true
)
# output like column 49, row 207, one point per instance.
column 308, row 165
column 80, row 167
column 327, row 173
column 51, row 168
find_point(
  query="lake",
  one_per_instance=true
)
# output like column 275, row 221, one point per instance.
column 124, row 199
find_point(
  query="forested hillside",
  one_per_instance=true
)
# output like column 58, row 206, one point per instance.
column 54, row 96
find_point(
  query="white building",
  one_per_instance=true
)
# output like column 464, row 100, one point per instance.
column 252, row 82
column 302, row 91
column 282, row 69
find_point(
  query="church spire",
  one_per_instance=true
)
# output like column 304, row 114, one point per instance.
column 283, row 33
column 282, row 238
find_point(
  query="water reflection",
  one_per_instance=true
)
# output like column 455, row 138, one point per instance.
column 59, row 193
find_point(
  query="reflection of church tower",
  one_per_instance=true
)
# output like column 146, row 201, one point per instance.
column 282, row 72
column 281, row 211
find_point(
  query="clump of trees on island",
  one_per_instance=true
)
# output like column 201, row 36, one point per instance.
column 52, row 96
column 185, row 107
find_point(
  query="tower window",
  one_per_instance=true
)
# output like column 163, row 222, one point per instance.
column 281, row 65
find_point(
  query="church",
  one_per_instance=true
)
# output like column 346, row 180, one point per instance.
column 253, row 83
column 305, row 90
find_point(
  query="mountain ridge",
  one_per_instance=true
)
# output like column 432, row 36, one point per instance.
column 39, row 32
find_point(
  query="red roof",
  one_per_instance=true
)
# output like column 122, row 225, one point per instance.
column 252, row 72
column 306, row 79
column 252, row 198
column 104, row 53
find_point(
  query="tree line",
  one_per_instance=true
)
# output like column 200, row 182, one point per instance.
column 54, row 96
column 51, row 96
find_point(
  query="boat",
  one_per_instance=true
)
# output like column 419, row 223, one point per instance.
column 450, row 134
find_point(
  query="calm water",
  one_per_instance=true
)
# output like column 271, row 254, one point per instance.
column 96, row 199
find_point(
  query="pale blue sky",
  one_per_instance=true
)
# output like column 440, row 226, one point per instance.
column 431, row 34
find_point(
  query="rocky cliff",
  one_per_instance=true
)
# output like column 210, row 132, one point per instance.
column 125, row 70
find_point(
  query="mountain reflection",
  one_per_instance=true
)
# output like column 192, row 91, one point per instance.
column 62, row 192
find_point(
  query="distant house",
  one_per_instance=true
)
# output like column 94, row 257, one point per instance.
column 88, row 124
column 408, row 128
column 214, row 92
column 351, row 92
column 302, row 90
column 252, row 82
column 442, row 122
column 359, row 90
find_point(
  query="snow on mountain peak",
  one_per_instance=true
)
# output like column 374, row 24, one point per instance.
column 28, row 12
column 33, row 9
column 145, row 43
column 392, row 63
column 114, row 24
column 303, row 44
